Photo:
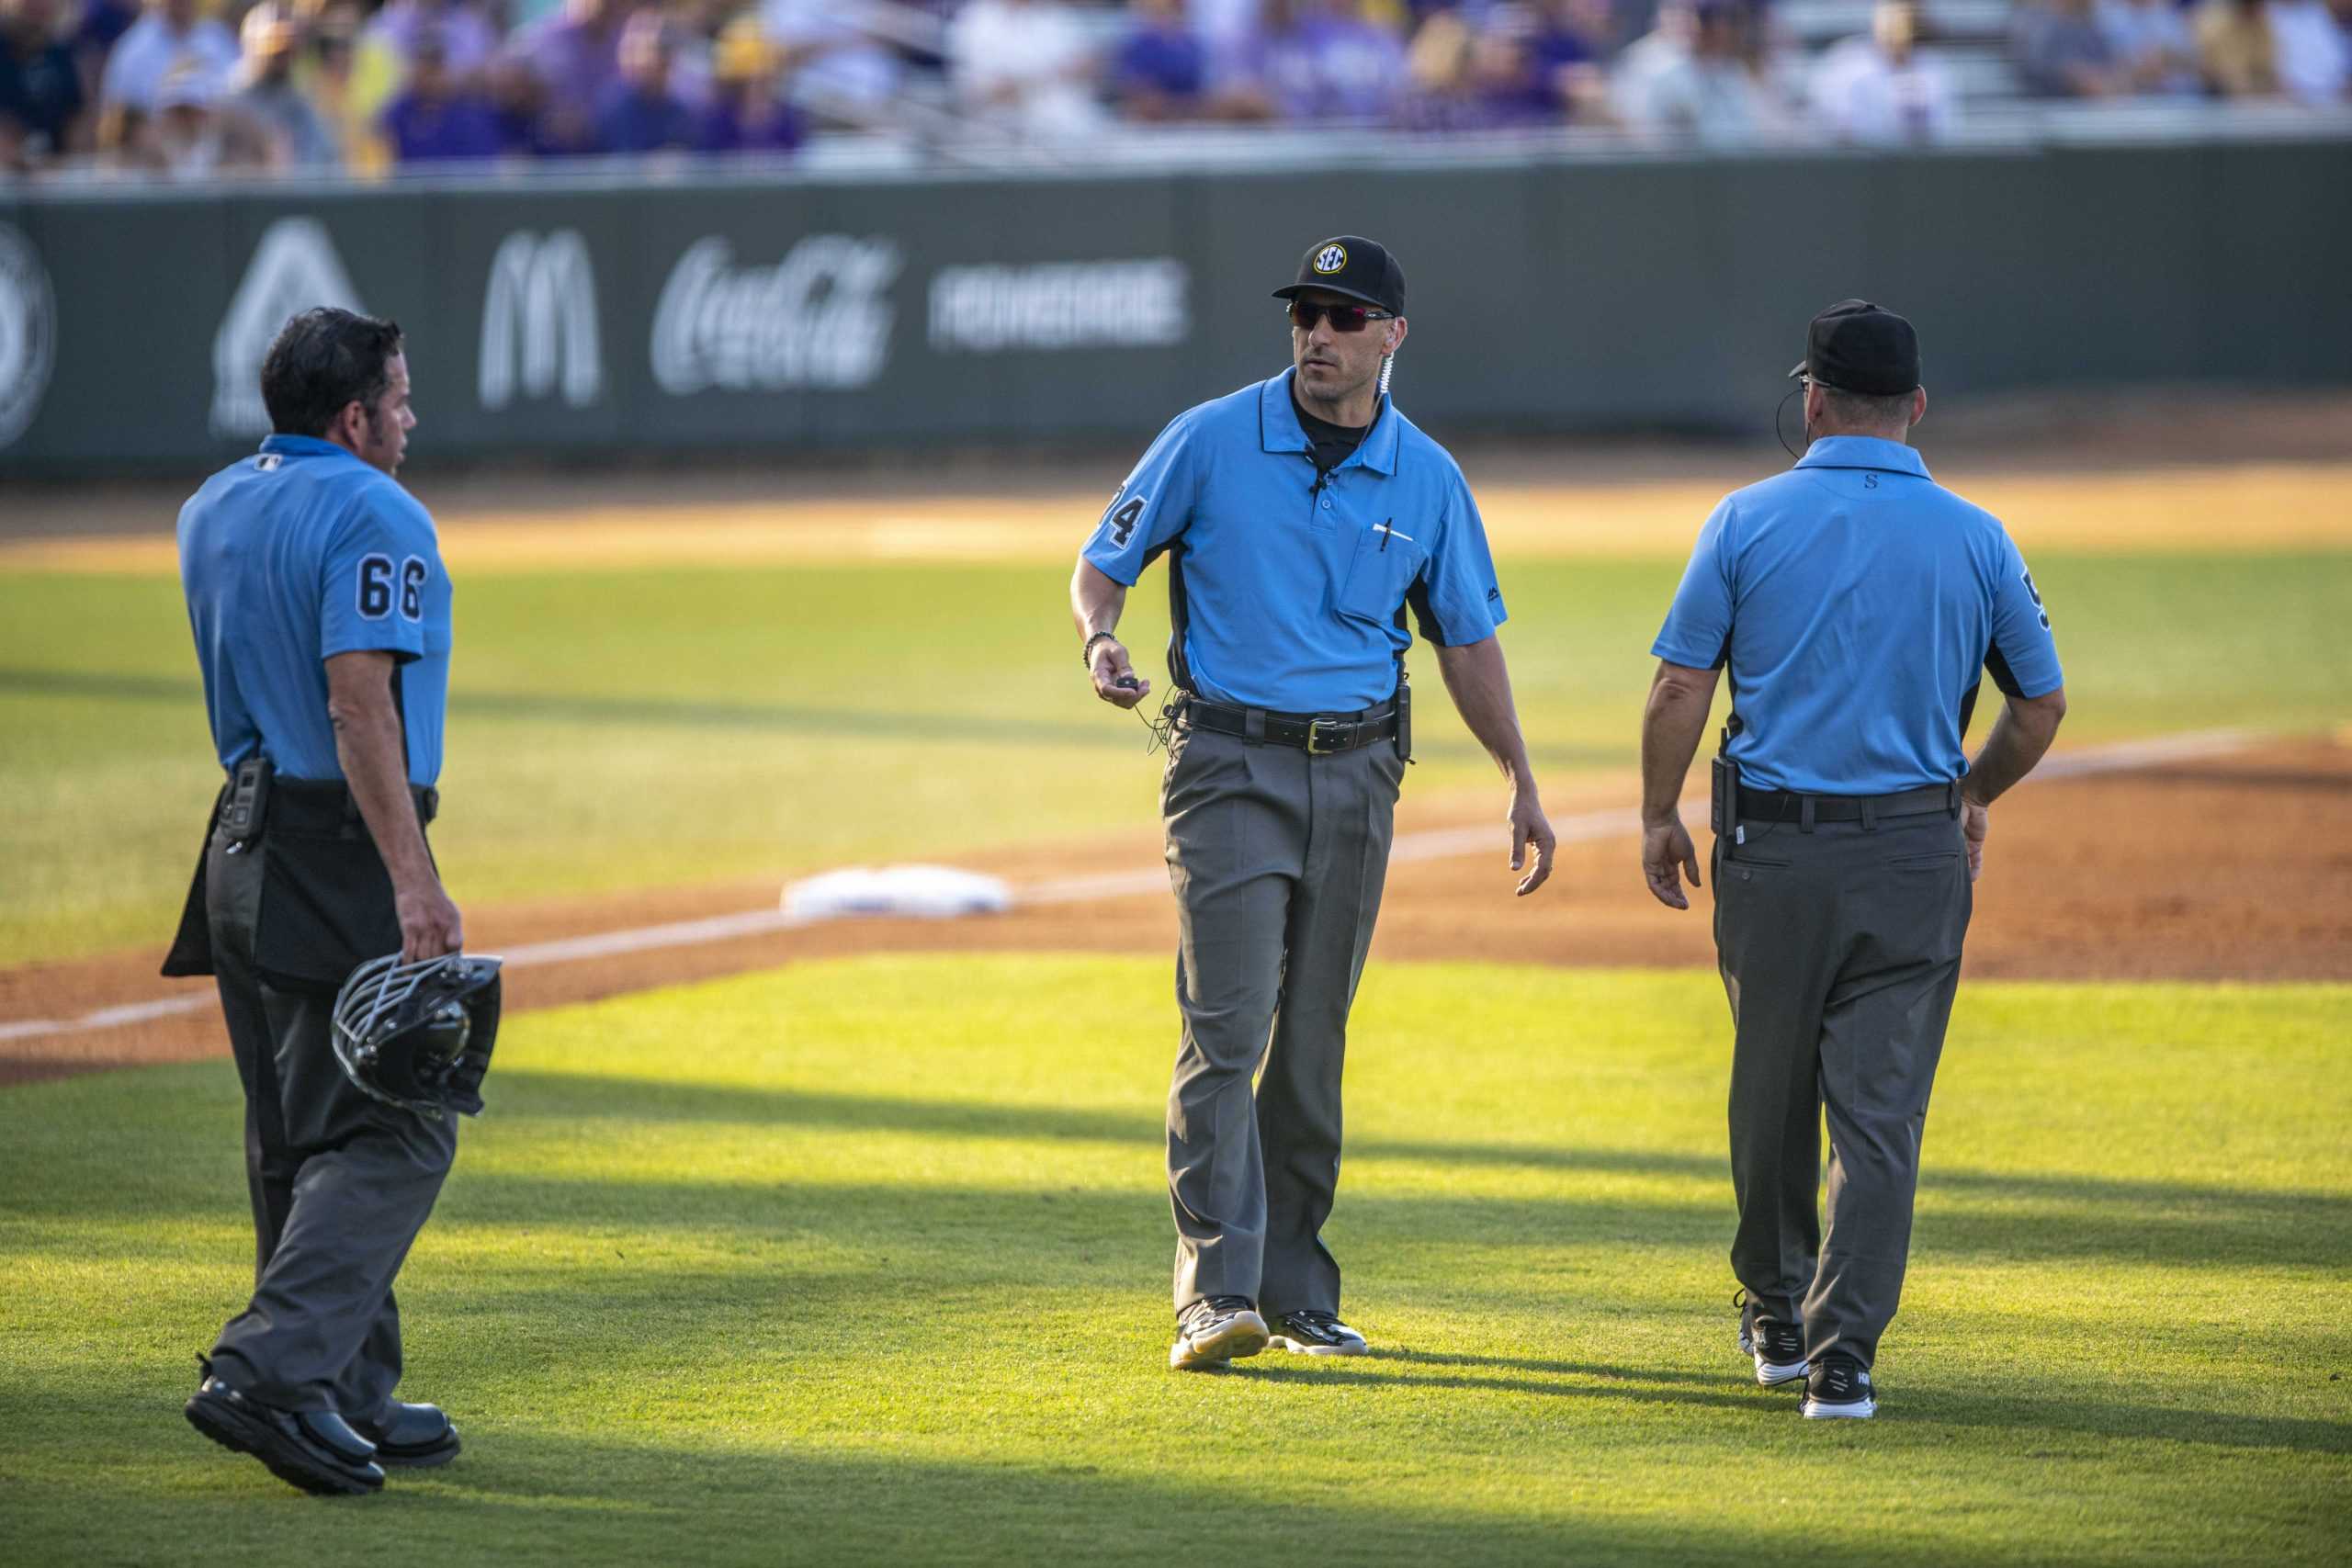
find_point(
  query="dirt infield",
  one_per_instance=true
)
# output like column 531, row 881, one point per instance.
column 2230, row 868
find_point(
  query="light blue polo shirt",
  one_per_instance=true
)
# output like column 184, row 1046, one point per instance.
column 290, row 557
column 1288, row 593
column 1858, row 602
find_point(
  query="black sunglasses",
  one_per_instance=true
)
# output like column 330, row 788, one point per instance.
column 1306, row 313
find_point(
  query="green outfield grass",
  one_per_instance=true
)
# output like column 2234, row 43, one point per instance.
column 865, row 1262
column 615, row 730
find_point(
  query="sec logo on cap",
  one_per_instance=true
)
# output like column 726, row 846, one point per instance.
column 1330, row 259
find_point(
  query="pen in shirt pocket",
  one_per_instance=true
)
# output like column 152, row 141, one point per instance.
column 1389, row 530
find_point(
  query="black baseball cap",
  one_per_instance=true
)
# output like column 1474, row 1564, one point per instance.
column 1353, row 265
column 1856, row 346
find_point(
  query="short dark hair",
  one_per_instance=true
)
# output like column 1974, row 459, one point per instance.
column 1867, row 408
column 323, row 359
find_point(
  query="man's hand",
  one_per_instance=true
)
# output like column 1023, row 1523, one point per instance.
column 1667, row 854
column 1530, row 827
column 1115, row 680
column 430, row 925
column 1975, row 821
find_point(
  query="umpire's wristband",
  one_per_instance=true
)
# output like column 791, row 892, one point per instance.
column 1086, row 654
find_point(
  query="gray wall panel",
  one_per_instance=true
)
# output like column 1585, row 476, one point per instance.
column 139, row 291
column 1631, row 264
column 791, row 314
column 1795, row 238
column 2278, row 290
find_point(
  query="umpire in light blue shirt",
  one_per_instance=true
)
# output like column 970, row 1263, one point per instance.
column 322, row 616
column 1303, row 519
column 1856, row 605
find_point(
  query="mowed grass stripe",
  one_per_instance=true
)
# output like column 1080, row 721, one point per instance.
column 866, row 1261
column 612, row 732
column 2276, row 505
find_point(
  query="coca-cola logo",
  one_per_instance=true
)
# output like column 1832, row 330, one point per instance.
column 819, row 318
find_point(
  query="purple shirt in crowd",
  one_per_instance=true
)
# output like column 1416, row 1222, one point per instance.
column 729, row 127
column 575, row 63
column 454, row 127
column 1338, row 68
column 1168, row 61
column 468, row 40
column 631, row 119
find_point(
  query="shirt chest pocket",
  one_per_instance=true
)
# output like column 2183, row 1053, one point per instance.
column 1380, row 569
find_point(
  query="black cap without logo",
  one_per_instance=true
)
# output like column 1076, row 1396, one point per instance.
column 1353, row 265
column 1856, row 346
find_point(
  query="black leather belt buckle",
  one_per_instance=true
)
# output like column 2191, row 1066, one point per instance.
column 1322, row 737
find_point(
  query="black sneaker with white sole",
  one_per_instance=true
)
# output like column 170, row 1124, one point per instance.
column 1311, row 1332
column 1840, row 1390
column 1214, row 1330
column 1777, row 1349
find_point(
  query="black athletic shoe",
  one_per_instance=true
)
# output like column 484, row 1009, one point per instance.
column 1777, row 1349
column 414, row 1437
column 1314, row 1333
column 1214, row 1330
column 314, row 1451
column 1840, row 1390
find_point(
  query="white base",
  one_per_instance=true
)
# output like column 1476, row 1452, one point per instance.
column 929, row 892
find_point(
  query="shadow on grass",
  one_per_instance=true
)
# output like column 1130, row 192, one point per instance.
column 1539, row 1364
column 2059, row 1408
column 2157, row 1222
column 2010, row 1218
column 544, row 1495
column 529, row 1496
column 1669, row 1386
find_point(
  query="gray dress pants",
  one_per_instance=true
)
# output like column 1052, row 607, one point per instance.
column 1839, row 949
column 1277, row 859
column 340, row 1183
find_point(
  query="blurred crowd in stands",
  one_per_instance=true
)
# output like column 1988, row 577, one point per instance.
column 201, row 89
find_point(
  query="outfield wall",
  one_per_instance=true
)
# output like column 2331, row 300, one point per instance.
column 708, row 312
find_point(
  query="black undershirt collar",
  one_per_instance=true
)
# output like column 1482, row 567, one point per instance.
column 1329, row 445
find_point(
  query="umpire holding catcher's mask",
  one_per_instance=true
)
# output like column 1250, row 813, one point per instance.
column 1301, row 517
column 321, row 615
column 1856, row 604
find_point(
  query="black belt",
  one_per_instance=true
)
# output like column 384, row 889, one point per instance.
column 1320, row 734
column 1784, row 805
column 327, row 805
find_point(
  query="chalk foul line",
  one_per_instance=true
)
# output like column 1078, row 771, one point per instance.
column 1442, row 843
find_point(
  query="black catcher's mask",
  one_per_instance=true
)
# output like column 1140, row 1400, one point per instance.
column 418, row 1035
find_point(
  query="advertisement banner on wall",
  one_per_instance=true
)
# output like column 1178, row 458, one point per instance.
column 27, row 332
column 789, row 316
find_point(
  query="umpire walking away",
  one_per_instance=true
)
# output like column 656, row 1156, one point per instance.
column 1855, row 601
column 322, row 616
column 1300, row 517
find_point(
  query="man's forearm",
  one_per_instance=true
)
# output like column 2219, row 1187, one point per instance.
column 2018, row 738
column 1096, row 599
column 1479, row 683
column 370, row 745
column 1672, row 724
